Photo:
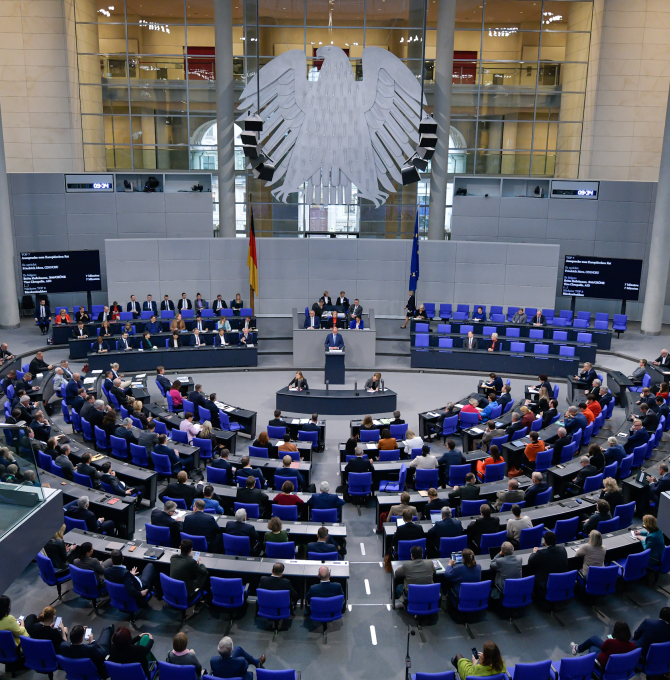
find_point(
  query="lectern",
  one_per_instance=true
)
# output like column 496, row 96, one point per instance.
column 335, row 367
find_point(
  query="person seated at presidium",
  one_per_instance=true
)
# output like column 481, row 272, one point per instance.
column 470, row 342
column 312, row 321
column 63, row 317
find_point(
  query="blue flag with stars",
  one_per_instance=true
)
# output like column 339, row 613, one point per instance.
column 414, row 265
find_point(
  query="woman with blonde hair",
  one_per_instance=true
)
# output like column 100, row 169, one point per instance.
column 41, row 627
column 611, row 493
column 206, row 432
column 139, row 414
column 593, row 552
column 652, row 538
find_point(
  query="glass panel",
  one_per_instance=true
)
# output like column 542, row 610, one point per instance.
column 160, row 158
column 118, row 157
column 284, row 12
column 567, row 165
column 574, row 16
column 160, row 68
column 393, row 13
column 156, row 38
column 114, row 99
column 202, row 98
column 545, row 136
column 202, row 12
column 505, row 135
column 159, row 12
column 468, row 13
column 510, row 75
column 568, row 137
column 462, row 135
column 150, row 100
column 506, row 105
column 524, row 15
column 543, row 164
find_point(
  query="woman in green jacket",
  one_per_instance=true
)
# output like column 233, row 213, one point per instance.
column 489, row 662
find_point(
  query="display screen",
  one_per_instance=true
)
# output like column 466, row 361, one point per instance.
column 65, row 271
column 601, row 277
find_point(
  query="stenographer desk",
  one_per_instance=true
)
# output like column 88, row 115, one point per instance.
column 336, row 402
column 602, row 338
column 206, row 356
column 481, row 360
column 301, row 573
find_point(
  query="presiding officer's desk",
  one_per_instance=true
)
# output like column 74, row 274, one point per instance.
column 301, row 573
column 584, row 350
column 601, row 338
column 308, row 344
column 206, row 356
column 336, row 402
column 119, row 509
column 63, row 332
column 481, row 360
column 268, row 466
column 618, row 544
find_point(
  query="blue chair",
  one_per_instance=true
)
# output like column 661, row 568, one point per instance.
column 506, row 507
column 611, row 470
column 566, row 529
column 599, row 581
column 360, row 485
column 71, row 524
column 393, row 454
column 252, row 509
column 189, row 406
column 471, row 600
column 45, row 461
column 405, row 548
column 229, row 594
column 288, row 513
column 469, row 508
column 449, row 426
column 326, row 609
column 619, row 666
column 398, row 431
column 139, row 456
column 160, row 388
column 242, row 481
column 625, row 514
column 274, row 605
column 236, row 545
column 512, row 333
column 531, row 538
column 608, row 525
column 40, row 656
column 633, row 567
column 323, row 557
column 421, row 327
column 453, row 544
column 324, row 515
column 445, row 311
column 172, row 671
column 639, row 453
column 119, row 447
column 444, row 328
column 468, row 420
column 160, row 428
column 561, row 587
column 275, row 432
column 85, row 584
column 84, row 480
column 465, row 329
column 48, row 574
column 126, row 671
column 457, row 474
column 226, row 424
column 460, row 316
column 394, row 487
column 593, row 483
column 517, row 593
column 309, row 436
column 162, row 465
column 657, row 661
column 216, row 475
column 205, row 446
column 494, row 472
column 9, row 652
column 565, row 351
column 170, row 403
column 543, row 460
column 620, row 324
column 369, row 436
column 181, row 503
column 65, row 411
column 489, row 330
column 536, row 425
column 204, row 414
column 180, row 436
column 541, row 349
column 81, row 424
column 492, row 541
column 446, row 675
column 426, row 479
column 120, row 599
column 423, row 600
column 530, row 671
column 519, row 347
column 199, row 542
column 280, row 550
column 625, row 467
column 258, row 452
column 544, row 497
column 586, row 437
column 499, row 441
column 175, row 595
column 57, row 470
column 574, row 667
column 519, row 434
column 159, row 536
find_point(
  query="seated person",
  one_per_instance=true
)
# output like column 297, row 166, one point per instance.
column 479, row 314
column 312, row 321
column 95, row 650
column 233, row 662
column 415, row 571
column 324, row 543
column 494, row 383
column 467, row 571
column 325, row 587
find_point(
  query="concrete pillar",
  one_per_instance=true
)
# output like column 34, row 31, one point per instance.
column 494, row 146
column 659, row 260
column 509, row 142
column 225, row 121
column 444, row 70
column 9, row 306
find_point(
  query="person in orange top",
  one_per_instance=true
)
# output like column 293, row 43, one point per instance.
column 387, row 442
column 593, row 405
column 530, row 452
column 587, row 413
column 494, row 457
column 287, row 497
column 287, row 445
column 63, row 317
column 663, row 390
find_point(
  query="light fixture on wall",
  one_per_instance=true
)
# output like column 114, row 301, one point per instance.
column 502, row 32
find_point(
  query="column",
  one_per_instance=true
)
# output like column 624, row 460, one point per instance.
column 657, row 274
column 444, row 69
column 225, row 121
column 9, row 306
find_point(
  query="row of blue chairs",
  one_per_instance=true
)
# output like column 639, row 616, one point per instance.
column 422, row 340
column 164, row 314
column 533, row 333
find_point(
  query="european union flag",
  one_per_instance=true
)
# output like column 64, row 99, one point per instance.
column 414, row 265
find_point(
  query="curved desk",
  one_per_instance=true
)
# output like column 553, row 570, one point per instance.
column 336, row 402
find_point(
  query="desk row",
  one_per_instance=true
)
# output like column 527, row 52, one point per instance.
column 205, row 356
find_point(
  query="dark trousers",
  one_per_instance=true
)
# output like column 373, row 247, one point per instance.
column 44, row 325
column 107, row 527
column 594, row 643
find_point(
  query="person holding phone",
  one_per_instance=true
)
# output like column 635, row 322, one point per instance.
column 487, row 662
column 82, row 646
column 46, row 626
column 618, row 642
column 8, row 622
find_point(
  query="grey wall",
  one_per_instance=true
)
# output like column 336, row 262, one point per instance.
column 44, row 217
column 618, row 224
column 296, row 272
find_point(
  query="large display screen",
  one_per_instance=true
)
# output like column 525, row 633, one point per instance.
column 65, row 271
column 601, row 277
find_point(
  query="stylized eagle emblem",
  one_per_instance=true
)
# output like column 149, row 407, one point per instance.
column 336, row 131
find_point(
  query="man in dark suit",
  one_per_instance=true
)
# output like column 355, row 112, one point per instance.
column 85, row 468
column 72, row 388
column 162, row 380
column 538, row 486
column 552, row 559
column 359, row 464
column 587, row 471
column 124, row 342
column 485, row 524
column 220, row 461
column 649, row 418
column 124, row 431
column 325, row 500
column 574, row 420
column 43, row 316
column 662, row 409
column 165, row 518
column 452, row 456
column 506, row 396
column 38, row 365
column 167, row 305
column 40, row 427
column 95, row 650
column 515, row 425
column 120, row 395
column 104, row 315
column 80, row 331
column 277, row 582
column 637, row 436
column 287, row 471
column 181, row 489
column 184, row 568
column 312, row 321
column 118, row 486
column 79, row 510
column 199, row 523
column 604, row 397
column 334, row 339
column 246, row 470
column 557, row 446
column 587, row 374
column 615, row 453
column 355, row 309
column 239, row 527
column 184, row 303
column 137, row 585
column 97, row 414
column 470, row 342
column 660, row 484
column 551, row 413
column 249, row 494
column 538, row 319
column 197, row 397
column 134, row 307
column 325, row 587
column 653, row 631
column 663, row 359
column 317, row 308
column 79, row 400
column 469, row 492
column 324, row 543
column 313, row 424
column 197, row 340
column 277, row 421
column 149, row 305
column 447, row 527
column 218, row 305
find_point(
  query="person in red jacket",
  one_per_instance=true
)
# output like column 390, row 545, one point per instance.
column 286, row 496
column 620, row 643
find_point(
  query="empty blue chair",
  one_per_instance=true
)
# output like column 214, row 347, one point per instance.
column 162, row 465
column 517, row 593
column 71, row 523
column 560, row 335
column 323, row 557
column 608, row 525
column 405, row 548
column 566, row 529
column 172, row 671
column 160, row 428
column 446, row 675
column 561, row 587
column 536, row 425
column 452, row 544
column 158, row 535
column 421, row 327
column 460, row 316
column 541, row 349
column 360, row 485
column 471, row 599
column 489, row 330
column 280, row 550
column 519, row 434
column 531, row 538
column 125, row 671
column 119, row 447
column 625, row 514
column 199, row 542
column 205, row 446
column 324, row 515
column 274, row 605
column 175, row 595
column 445, row 311
column 40, row 656
column 189, row 406
column 236, row 545
column 252, row 509
column 494, row 472
column 204, row 414
column 288, row 513
column 543, row 460
column 457, row 474
column 560, row 321
column 465, row 329
column 499, row 441
column 565, row 351
column 601, row 325
column 393, row 454
column 497, row 318
column 580, row 323
column 180, row 436
column 517, row 347
column 398, row 431
column 620, row 323
column 492, row 541
column 430, row 309
column 444, row 328
column 468, row 420
column 390, row 486
column 181, row 503
column 530, row 671
column 593, row 483
column 633, row 567
column 275, row 432
column 421, row 340
column 258, row 452
column 599, row 580
column 531, row 312
column 472, row 507
column 85, row 584
column 369, row 436
column 425, row 479
column 138, row 455
column 619, row 666
column 536, row 333
column 48, row 575
column 326, row 609
column 611, row 470
column 586, row 437
column 585, row 337
column 423, row 600
column 569, row 451
column 84, row 480
column 574, row 667
column 64, row 410
column 449, row 426
column 229, row 594
column 657, row 661
column 512, row 333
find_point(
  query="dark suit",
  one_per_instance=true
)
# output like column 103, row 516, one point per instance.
column 579, row 422
column 167, row 305
column 184, row 304
column 164, row 382
column 538, row 320
column 550, row 560
column 235, row 528
column 218, row 305
column 95, row 417
column 185, row 568
column 160, row 518
column 253, row 496
column 637, row 439
column 332, row 341
column 308, row 322
column 588, row 376
column 469, row 492
column 657, row 488
column 445, row 528
column 548, row 416
column 71, row 390
column 178, row 490
column 43, row 317
column 150, row 306
column 124, row 433
column 586, row 472
column 279, row 583
column 408, row 532
column 558, row 448
column 470, row 343
column 37, row 366
column 120, row 396
column 204, row 524
column 359, row 464
column 650, row 421
column 96, row 652
column 318, row 311
column 135, row 308
column 197, row 340
column 532, row 491
column 649, row 632
column 663, row 361
column 324, row 589
column 90, row 471
column 481, row 526
column 324, row 547
column 41, row 431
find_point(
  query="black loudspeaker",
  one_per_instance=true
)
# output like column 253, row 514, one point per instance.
column 410, row 175
column 264, row 171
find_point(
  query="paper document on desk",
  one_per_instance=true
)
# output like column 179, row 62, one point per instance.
column 476, row 430
column 459, row 405
column 98, row 371
column 140, row 375
column 179, row 514
column 295, row 421
column 385, row 421
column 334, row 349
column 304, row 421
column 182, row 378
column 376, row 422
column 432, row 414
column 89, row 381
column 370, row 445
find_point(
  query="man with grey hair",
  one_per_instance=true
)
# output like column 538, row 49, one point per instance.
column 239, row 527
column 200, row 523
column 165, row 518
column 325, row 500
column 577, row 485
column 79, row 510
column 124, row 431
column 505, row 565
column 562, row 441
column 63, row 461
column 117, row 390
column 97, row 414
column 574, row 420
column 447, row 527
column 615, row 453
column 233, row 662
column 604, row 397
column 59, row 380
column 515, row 425
column 538, row 486
column 359, row 464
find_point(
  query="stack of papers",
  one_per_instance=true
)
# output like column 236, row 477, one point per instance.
column 182, row 378
column 370, row 445
column 140, row 375
column 432, row 414
column 476, row 430
column 89, row 381
column 96, row 372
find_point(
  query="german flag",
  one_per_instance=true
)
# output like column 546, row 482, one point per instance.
column 252, row 260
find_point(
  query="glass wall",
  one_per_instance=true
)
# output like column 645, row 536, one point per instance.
column 147, row 75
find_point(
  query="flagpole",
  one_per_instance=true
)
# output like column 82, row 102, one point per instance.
column 251, row 288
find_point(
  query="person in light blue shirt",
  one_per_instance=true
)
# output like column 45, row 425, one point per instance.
column 210, row 501
column 152, row 326
column 486, row 413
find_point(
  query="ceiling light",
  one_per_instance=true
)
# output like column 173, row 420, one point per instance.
column 331, row 42
column 111, row 7
column 402, row 40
